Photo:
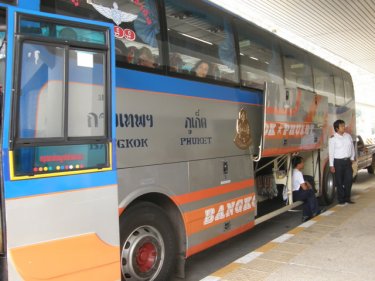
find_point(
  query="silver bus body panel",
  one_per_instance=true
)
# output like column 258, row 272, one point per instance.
column 178, row 146
column 156, row 128
column 294, row 120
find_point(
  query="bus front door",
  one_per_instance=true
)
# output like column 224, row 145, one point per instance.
column 60, row 203
column 2, row 83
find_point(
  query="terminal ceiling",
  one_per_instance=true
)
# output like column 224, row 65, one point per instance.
column 343, row 27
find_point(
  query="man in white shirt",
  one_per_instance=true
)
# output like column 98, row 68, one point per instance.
column 303, row 191
column 341, row 157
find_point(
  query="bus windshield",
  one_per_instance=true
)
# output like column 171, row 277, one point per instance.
column 62, row 98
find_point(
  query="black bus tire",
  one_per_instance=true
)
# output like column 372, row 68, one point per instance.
column 355, row 178
column 148, row 244
column 329, row 187
column 371, row 168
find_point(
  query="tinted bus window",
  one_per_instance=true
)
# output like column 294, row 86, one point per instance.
column 339, row 87
column 136, row 22
column 41, row 64
column 323, row 79
column 200, row 42
column 348, row 86
column 297, row 67
column 86, row 101
column 42, row 92
column 53, row 30
column 62, row 97
column 259, row 57
column 10, row 2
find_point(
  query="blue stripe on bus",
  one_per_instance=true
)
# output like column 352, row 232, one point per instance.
column 30, row 5
column 8, row 81
column 160, row 83
column 33, row 187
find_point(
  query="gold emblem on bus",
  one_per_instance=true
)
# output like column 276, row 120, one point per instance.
column 243, row 137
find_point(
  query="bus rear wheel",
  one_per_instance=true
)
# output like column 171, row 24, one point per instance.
column 371, row 168
column 148, row 244
column 329, row 187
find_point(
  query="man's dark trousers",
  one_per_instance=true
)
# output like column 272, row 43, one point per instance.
column 310, row 204
column 343, row 179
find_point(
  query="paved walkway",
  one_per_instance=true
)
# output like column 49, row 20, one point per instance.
column 337, row 245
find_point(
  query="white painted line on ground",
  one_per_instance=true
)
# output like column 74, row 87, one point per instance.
column 210, row 278
column 283, row 238
column 342, row 205
column 327, row 213
column 307, row 224
column 249, row 257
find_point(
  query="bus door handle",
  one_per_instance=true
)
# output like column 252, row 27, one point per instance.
column 225, row 167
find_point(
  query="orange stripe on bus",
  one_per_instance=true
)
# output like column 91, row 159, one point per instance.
column 84, row 257
column 277, row 151
column 195, row 220
column 211, row 192
column 286, row 137
column 205, row 245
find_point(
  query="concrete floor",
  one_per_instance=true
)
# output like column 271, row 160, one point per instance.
column 337, row 245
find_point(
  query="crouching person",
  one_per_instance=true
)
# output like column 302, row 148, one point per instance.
column 303, row 191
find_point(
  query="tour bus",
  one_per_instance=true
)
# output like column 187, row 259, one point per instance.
column 137, row 133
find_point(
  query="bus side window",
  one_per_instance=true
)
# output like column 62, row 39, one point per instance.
column 136, row 23
column 323, row 79
column 339, row 87
column 140, row 36
column 297, row 67
column 201, row 42
column 348, row 86
column 259, row 56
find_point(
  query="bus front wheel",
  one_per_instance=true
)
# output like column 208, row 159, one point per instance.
column 148, row 244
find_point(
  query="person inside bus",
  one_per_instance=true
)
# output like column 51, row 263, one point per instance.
column 215, row 72
column 120, row 48
column 132, row 55
column 175, row 62
column 201, row 69
column 146, row 58
column 303, row 190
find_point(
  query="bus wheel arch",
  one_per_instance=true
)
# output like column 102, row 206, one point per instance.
column 155, row 217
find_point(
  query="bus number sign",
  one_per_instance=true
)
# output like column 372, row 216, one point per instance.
column 126, row 33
